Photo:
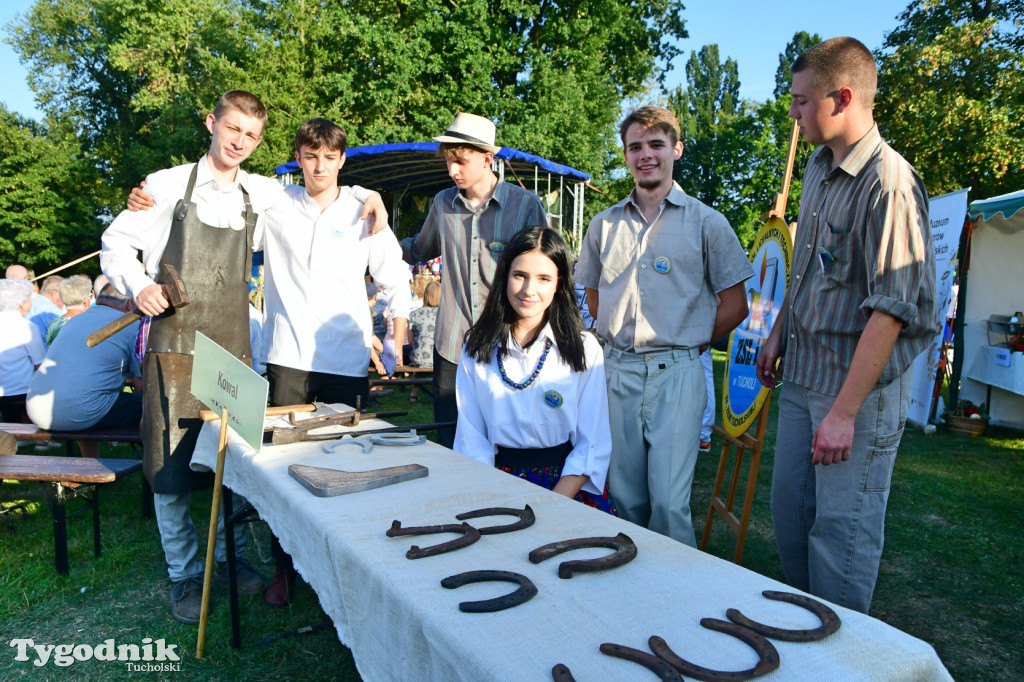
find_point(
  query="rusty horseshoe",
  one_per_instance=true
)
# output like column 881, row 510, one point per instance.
column 625, row 551
column 656, row 665
column 829, row 619
column 767, row 654
column 527, row 590
column 469, row 536
column 526, row 519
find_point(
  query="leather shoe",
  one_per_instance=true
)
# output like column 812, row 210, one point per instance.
column 250, row 581
column 187, row 600
column 281, row 587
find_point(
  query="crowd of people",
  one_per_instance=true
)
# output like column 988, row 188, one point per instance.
column 611, row 411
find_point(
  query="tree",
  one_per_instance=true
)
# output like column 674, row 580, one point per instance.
column 710, row 119
column 46, row 209
column 130, row 77
column 136, row 76
column 950, row 98
column 794, row 48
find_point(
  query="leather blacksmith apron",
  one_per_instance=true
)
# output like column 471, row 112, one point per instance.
column 214, row 264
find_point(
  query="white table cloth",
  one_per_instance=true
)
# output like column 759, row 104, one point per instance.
column 402, row 625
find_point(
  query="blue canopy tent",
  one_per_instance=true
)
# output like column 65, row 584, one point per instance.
column 415, row 168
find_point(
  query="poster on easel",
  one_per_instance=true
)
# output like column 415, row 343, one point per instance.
column 766, row 290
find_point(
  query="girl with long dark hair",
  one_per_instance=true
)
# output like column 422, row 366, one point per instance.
column 530, row 384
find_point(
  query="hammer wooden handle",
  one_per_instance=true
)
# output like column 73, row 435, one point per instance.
column 210, row 415
column 105, row 332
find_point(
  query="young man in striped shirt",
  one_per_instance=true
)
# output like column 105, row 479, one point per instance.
column 860, row 308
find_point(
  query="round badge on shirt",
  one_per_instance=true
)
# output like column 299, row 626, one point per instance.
column 338, row 231
column 496, row 247
column 236, row 223
column 662, row 264
column 553, row 399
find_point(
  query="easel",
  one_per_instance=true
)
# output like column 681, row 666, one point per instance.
column 745, row 443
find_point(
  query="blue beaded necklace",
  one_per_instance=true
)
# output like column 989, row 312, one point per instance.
column 540, row 363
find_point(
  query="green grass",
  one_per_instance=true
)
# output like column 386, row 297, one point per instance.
column 950, row 573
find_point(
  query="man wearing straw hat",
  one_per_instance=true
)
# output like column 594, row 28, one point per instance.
column 468, row 226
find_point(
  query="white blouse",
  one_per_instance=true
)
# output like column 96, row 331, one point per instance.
column 560, row 405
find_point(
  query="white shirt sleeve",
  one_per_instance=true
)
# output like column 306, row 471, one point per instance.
column 390, row 272
column 592, row 439
column 135, row 233
column 471, row 432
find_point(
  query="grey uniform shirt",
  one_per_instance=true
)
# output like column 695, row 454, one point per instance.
column 469, row 244
column 657, row 281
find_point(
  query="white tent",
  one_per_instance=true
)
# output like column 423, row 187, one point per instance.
column 995, row 287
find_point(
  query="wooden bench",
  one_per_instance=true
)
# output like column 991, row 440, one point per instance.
column 68, row 476
column 32, row 432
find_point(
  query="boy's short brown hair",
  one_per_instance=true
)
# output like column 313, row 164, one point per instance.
column 658, row 118
column 241, row 101
column 319, row 133
column 840, row 62
column 456, row 153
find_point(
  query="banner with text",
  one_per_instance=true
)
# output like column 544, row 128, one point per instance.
column 947, row 213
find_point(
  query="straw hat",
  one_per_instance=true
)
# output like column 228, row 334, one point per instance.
column 472, row 130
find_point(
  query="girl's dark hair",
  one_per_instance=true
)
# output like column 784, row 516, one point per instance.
column 495, row 322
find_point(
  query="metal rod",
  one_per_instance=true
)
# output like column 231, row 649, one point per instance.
column 65, row 266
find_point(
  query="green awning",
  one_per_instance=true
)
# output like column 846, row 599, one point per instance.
column 1007, row 204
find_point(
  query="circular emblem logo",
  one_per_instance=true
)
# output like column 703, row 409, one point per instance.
column 553, row 399
column 338, row 231
column 496, row 247
column 662, row 264
column 236, row 223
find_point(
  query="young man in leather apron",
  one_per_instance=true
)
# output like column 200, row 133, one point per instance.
column 203, row 224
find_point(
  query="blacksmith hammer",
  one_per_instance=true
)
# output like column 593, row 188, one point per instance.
column 174, row 290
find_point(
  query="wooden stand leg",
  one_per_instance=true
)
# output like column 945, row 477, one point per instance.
column 212, row 537
column 718, row 507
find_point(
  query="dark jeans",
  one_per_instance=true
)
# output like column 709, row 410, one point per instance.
column 126, row 411
column 446, row 409
column 289, row 386
column 12, row 409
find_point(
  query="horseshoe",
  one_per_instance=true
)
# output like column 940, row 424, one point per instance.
column 767, row 654
column 625, row 551
column 657, row 666
column 561, row 673
column 829, row 619
column 527, row 590
column 469, row 536
column 526, row 519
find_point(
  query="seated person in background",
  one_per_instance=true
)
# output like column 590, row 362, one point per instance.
column 79, row 388
column 46, row 305
column 97, row 286
column 75, row 294
column 376, row 345
column 21, row 347
column 530, row 383
column 259, row 360
column 421, row 324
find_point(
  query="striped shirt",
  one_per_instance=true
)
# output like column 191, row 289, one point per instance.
column 863, row 243
column 469, row 244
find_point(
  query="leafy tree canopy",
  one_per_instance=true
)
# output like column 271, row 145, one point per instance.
column 950, row 97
